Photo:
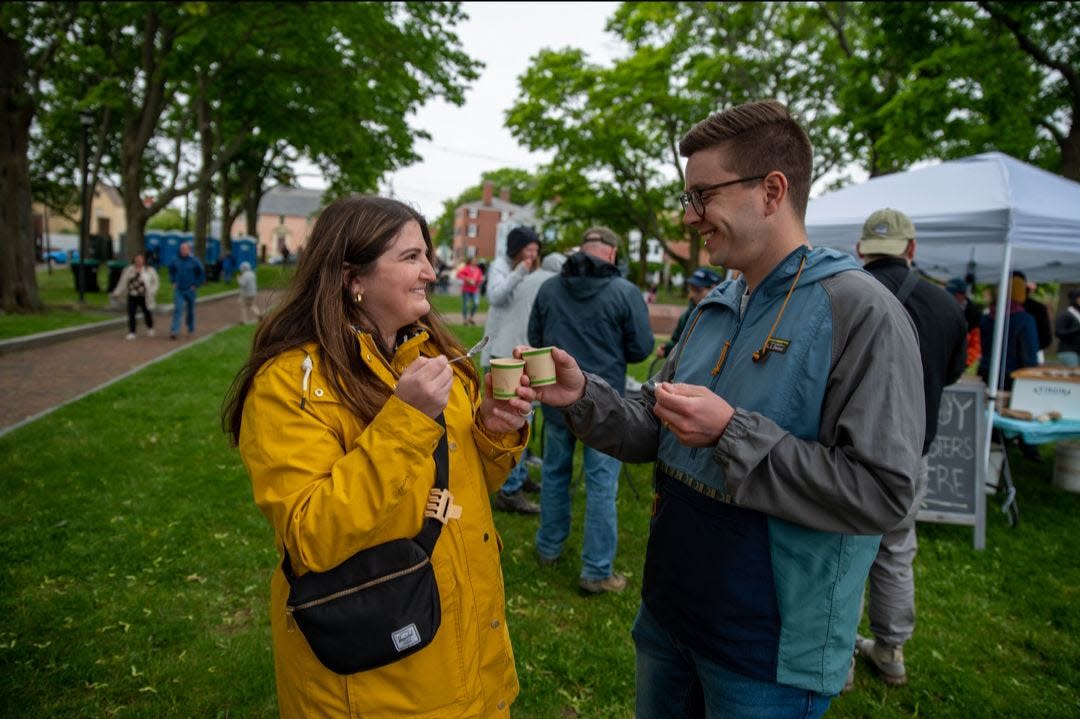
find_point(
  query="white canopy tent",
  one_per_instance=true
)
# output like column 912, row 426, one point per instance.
column 987, row 214
column 967, row 212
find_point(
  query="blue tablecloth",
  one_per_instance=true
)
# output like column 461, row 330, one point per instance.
column 1037, row 432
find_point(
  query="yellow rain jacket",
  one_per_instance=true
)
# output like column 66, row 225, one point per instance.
column 331, row 486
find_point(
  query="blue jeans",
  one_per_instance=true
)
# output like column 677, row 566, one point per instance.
column 469, row 302
column 601, row 488
column 183, row 299
column 675, row 682
column 516, row 478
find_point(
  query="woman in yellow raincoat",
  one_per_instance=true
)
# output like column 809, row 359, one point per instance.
column 334, row 415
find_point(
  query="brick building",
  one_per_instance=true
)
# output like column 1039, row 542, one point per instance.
column 480, row 227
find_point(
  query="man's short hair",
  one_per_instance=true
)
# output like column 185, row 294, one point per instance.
column 759, row 137
column 886, row 232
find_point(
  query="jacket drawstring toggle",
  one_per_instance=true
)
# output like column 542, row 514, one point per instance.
column 306, row 383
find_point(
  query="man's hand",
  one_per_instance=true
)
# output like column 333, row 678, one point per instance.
column 425, row 384
column 569, row 381
column 503, row 415
column 695, row 415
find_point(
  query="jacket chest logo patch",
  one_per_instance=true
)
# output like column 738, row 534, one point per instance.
column 775, row 344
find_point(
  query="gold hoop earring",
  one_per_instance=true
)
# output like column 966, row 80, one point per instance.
column 359, row 297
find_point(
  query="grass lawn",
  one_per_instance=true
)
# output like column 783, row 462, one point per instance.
column 136, row 575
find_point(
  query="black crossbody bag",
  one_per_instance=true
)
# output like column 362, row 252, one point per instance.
column 381, row 604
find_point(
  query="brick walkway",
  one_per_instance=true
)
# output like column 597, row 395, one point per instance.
column 44, row 372
column 41, row 373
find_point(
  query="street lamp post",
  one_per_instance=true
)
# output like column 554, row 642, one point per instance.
column 86, row 119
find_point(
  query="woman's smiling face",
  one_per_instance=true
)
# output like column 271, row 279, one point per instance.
column 395, row 291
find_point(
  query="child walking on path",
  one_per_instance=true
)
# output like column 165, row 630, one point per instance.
column 248, row 285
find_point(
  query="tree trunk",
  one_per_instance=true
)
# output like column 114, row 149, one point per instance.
column 251, row 208
column 134, row 212
column 205, row 191
column 18, row 283
column 643, row 259
column 227, row 216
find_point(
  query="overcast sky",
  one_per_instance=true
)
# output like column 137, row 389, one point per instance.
column 468, row 140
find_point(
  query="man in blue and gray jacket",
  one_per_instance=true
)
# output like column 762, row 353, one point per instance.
column 786, row 427
column 186, row 275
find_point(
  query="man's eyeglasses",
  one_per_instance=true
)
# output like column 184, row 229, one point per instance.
column 693, row 198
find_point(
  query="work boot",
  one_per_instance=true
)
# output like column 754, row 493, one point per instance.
column 886, row 658
column 516, row 502
column 615, row 583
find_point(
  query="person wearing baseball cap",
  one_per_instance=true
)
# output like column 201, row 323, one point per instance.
column 598, row 316
column 700, row 284
column 887, row 248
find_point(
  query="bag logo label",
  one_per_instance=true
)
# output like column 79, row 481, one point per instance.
column 407, row 636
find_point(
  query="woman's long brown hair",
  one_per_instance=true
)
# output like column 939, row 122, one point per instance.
column 349, row 236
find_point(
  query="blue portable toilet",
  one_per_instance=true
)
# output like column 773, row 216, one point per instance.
column 213, row 250
column 152, row 247
column 244, row 250
column 170, row 248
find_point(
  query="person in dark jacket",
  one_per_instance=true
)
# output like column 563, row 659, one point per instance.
column 186, row 274
column 600, row 318
column 887, row 248
column 1020, row 349
column 1038, row 311
column 1067, row 329
column 700, row 284
column 958, row 288
column 1021, row 346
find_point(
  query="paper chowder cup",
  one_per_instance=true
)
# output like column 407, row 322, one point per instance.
column 540, row 366
column 506, row 377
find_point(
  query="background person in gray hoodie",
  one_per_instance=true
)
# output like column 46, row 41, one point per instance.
column 504, row 280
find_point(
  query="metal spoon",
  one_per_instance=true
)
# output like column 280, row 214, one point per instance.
column 472, row 350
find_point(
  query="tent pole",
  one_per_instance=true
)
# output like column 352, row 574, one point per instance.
column 1000, row 313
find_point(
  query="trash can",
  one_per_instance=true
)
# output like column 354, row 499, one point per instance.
column 85, row 272
column 115, row 268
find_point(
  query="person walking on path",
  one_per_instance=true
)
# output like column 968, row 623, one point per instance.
column 186, row 275
column 887, row 248
column 785, row 437
column 248, row 284
column 504, row 277
column 600, row 318
column 471, row 277
column 139, row 282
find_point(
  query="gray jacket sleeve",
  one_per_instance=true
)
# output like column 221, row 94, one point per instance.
column 624, row 428
column 860, row 476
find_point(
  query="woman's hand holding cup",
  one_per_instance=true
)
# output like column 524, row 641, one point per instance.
column 569, row 385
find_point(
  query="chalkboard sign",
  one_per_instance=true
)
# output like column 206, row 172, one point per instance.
column 954, row 492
